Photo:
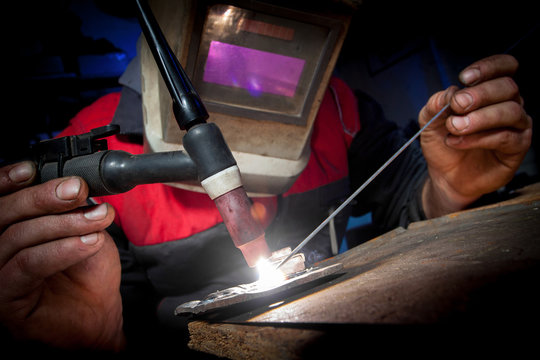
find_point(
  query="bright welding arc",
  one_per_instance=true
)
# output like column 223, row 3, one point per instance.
column 269, row 275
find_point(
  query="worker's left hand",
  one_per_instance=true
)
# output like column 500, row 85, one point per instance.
column 479, row 146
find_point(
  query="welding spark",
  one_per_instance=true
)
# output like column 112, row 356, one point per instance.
column 269, row 276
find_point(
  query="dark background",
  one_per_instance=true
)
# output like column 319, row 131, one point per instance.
column 62, row 55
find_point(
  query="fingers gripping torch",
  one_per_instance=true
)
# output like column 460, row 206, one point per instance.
column 208, row 156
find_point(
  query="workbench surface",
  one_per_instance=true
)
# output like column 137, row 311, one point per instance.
column 472, row 270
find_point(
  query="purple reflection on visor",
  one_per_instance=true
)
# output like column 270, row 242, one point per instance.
column 254, row 70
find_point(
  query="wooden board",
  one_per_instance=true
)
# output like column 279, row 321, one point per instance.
column 476, row 268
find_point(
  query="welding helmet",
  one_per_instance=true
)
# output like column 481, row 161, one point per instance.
column 261, row 69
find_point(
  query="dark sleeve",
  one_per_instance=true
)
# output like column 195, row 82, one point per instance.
column 394, row 197
column 139, row 300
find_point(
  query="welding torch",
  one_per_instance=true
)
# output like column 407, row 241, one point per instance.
column 207, row 159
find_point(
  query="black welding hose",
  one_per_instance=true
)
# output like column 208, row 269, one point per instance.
column 188, row 108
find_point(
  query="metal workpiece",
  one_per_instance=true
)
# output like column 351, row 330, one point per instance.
column 294, row 265
column 264, row 287
column 255, row 290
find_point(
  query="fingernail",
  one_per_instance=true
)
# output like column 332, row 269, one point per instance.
column 460, row 123
column 464, row 100
column 469, row 77
column 89, row 239
column 96, row 213
column 21, row 172
column 68, row 189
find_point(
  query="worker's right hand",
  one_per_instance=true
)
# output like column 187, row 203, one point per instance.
column 477, row 146
column 59, row 269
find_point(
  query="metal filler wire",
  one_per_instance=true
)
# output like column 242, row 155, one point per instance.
column 362, row 187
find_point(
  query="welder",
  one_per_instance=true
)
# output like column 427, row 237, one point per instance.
column 301, row 140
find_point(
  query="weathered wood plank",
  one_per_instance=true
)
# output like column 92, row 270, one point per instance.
column 477, row 267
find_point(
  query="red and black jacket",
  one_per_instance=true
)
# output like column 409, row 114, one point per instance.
column 176, row 244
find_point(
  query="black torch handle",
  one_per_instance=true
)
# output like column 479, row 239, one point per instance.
column 113, row 172
column 187, row 105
